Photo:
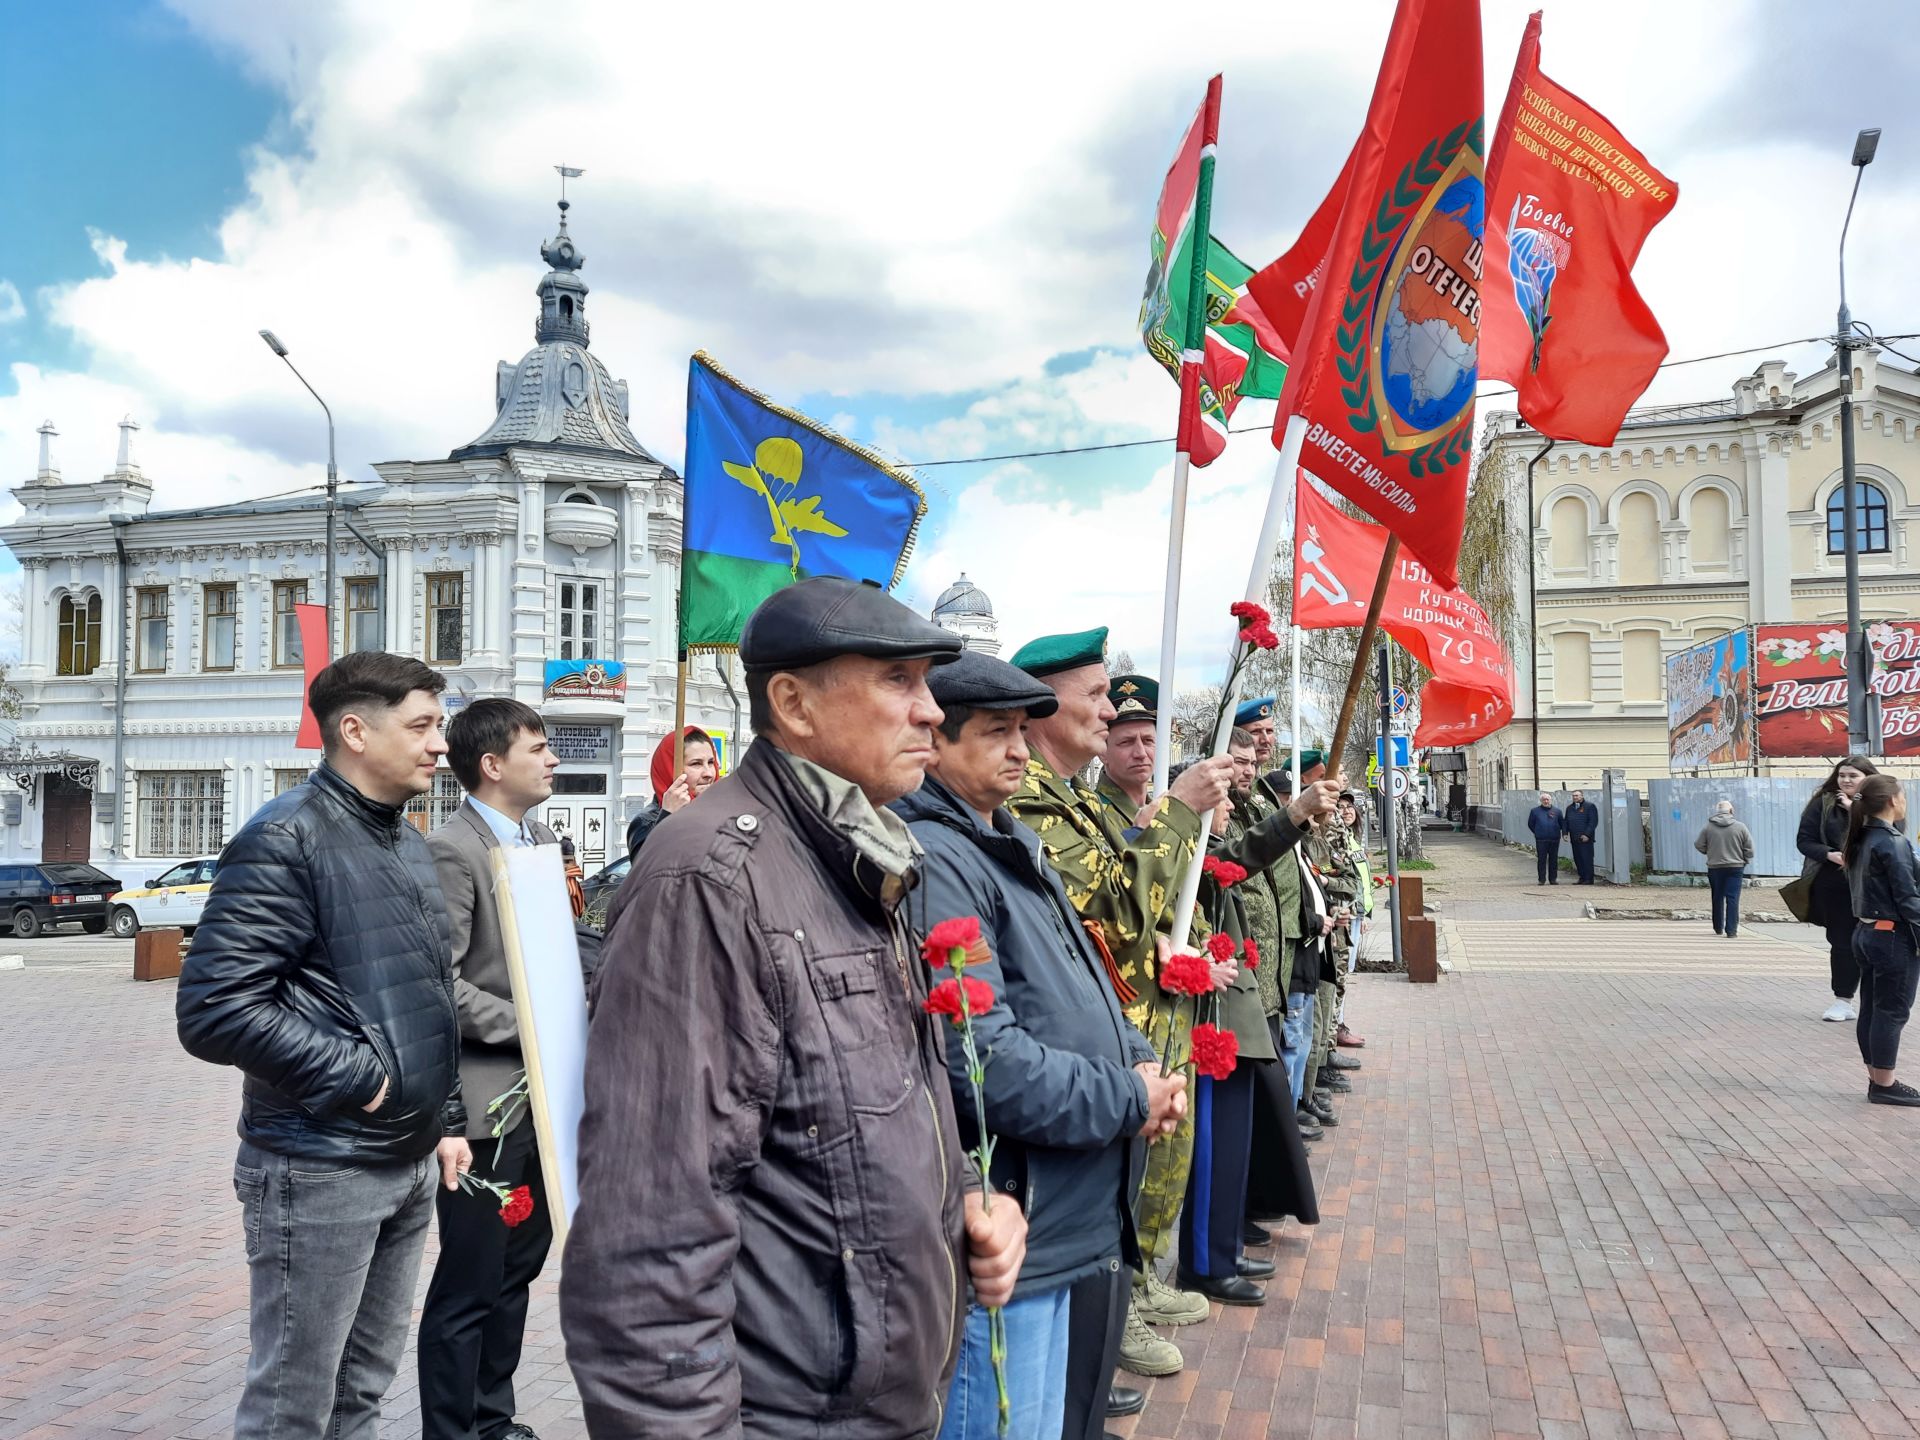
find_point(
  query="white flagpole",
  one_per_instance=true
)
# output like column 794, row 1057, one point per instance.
column 1258, row 579
column 1170, row 627
column 1293, row 629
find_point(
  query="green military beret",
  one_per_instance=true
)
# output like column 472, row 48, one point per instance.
column 1311, row 758
column 1051, row 654
column 1134, row 697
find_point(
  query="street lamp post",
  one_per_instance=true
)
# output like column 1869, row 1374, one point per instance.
column 333, row 472
column 1860, row 737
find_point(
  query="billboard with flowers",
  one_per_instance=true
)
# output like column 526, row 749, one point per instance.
column 1800, row 687
column 1709, row 720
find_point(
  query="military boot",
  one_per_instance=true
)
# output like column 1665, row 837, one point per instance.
column 1145, row 1353
column 1160, row 1304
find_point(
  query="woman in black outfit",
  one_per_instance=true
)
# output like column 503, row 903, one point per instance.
column 1823, row 833
column 1884, row 873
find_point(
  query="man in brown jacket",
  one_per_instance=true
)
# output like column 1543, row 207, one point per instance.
column 774, row 1204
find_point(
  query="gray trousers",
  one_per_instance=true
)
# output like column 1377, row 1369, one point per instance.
column 333, row 1252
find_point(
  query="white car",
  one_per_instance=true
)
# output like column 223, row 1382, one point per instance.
column 174, row 900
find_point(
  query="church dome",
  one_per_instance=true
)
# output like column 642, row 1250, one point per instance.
column 963, row 597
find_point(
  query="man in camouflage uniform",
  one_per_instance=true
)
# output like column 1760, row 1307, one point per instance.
column 1126, row 769
column 1124, row 890
column 1330, row 851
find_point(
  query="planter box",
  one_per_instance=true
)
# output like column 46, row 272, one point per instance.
column 156, row 954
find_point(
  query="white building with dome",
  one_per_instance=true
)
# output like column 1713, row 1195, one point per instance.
column 161, row 673
column 963, row 608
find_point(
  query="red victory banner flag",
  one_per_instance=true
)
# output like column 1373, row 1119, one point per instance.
column 1441, row 626
column 1384, row 371
column 312, row 623
column 1569, row 204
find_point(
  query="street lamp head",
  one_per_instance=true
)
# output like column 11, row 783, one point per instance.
column 273, row 340
column 1864, row 144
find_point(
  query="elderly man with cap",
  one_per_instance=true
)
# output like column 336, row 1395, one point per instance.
column 775, row 1215
column 1126, row 770
column 1124, row 889
column 1073, row 1092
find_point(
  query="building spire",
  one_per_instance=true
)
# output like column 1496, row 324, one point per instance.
column 49, row 473
column 563, row 294
column 123, row 461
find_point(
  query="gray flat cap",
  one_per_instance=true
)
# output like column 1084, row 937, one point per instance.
column 826, row 617
column 984, row 683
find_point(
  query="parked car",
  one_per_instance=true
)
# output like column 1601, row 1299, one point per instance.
column 35, row 897
column 599, row 889
column 175, row 898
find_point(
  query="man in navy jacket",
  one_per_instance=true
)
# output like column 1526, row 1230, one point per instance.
column 1547, row 825
column 1582, row 823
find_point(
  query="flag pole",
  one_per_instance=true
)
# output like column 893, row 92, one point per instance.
column 1258, row 578
column 1293, row 633
column 680, row 719
column 1192, row 356
column 1388, row 558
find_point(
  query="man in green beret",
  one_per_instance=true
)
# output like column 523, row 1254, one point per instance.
column 1124, row 889
column 1126, row 771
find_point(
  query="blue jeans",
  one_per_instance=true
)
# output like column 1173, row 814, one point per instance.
column 333, row 1250
column 1296, row 1036
column 1724, row 881
column 1036, row 1372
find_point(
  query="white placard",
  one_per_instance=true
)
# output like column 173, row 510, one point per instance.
column 550, row 1003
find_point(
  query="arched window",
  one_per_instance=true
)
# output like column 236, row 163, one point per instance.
column 1708, row 522
column 1572, row 666
column 1568, row 526
column 79, row 643
column 1640, row 668
column 1870, row 518
column 1639, row 540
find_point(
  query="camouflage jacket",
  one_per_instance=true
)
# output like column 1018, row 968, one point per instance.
column 1127, row 887
column 1330, row 848
column 1271, row 900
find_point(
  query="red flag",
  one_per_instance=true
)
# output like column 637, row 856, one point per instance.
column 1285, row 288
column 1388, row 355
column 1441, row 626
column 1570, row 203
column 312, row 620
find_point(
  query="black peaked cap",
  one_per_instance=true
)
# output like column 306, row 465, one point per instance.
column 825, row 617
column 981, row 682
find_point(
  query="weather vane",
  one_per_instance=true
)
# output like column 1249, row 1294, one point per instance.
column 567, row 172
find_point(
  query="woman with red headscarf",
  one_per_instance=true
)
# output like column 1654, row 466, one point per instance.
column 699, row 768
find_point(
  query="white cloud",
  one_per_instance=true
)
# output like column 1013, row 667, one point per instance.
column 11, row 307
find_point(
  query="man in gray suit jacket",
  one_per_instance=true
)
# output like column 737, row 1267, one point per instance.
column 476, row 1308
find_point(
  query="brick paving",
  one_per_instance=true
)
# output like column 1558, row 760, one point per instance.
column 1606, row 1178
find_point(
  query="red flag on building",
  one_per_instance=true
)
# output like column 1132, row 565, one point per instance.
column 1570, row 203
column 1388, row 355
column 1441, row 626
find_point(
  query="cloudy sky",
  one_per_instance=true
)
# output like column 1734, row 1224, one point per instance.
column 927, row 227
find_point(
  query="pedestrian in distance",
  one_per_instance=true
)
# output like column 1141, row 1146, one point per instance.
column 1728, row 846
column 475, row 1315
column 1073, row 1093
column 1884, row 874
column 1821, row 840
column 321, row 970
column 776, row 1218
column 1547, row 825
column 1582, row 822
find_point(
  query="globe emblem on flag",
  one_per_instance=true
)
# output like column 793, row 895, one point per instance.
column 1535, row 258
column 1427, row 324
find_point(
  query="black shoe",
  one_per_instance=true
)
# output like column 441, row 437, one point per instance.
column 1340, row 1060
column 1309, row 1125
column 1337, row 1085
column 1124, row 1400
column 1898, row 1093
column 1247, row 1268
column 517, row 1431
column 1231, row 1291
column 1322, row 1111
column 1255, row 1235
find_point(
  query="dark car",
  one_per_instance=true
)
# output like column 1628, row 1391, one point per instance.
column 599, row 889
column 34, row 897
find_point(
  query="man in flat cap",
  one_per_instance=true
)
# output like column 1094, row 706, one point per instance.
column 1073, row 1092
column 1126, row 770
column 775, row 1221
column 1124, row 889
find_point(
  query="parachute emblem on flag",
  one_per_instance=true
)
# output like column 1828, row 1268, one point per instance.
column 1409, row 331
column 1535, row 257
column 781, row 458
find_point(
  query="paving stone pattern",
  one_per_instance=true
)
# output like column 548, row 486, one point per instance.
column 1604, row 1179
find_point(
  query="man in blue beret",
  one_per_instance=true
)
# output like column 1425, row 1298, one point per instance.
column 761, row 1069
column 1072, row 1091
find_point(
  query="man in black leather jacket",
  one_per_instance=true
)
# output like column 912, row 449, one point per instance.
column 322, row 971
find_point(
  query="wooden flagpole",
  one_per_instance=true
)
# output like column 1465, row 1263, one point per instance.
column 680, row 719
column 1388, row 558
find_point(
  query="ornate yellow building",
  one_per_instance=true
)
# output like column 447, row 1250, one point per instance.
column 1699, row 519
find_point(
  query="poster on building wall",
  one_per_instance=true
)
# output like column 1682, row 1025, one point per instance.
column 1709, row 708
column 1800, row 686
column 586, row 680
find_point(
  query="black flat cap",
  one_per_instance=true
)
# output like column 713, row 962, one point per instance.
column 826, row 617
column 981, row 682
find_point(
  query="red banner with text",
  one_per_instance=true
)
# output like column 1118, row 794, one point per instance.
column 1800, row 688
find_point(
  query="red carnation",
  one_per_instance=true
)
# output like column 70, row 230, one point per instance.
column 1186, row 973
column 1221, row 946
column 945, row 999
column 1250, row 614
column 1215, row 1051
column 1227, row 874
column 960, row 933
column 1253, row 954
column 1261, row 636
column 518, row 1206
column 1209, row 865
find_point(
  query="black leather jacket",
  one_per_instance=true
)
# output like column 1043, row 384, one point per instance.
column 1885, row 875
column 323, row 965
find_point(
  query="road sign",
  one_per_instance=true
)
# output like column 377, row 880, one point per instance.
column 1400, row 783
column 1402, row 752
column 1401, row 700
